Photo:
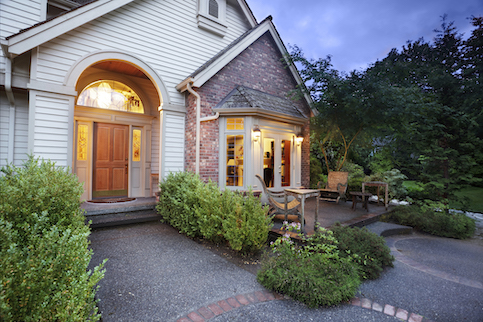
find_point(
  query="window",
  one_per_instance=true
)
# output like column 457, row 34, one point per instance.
column 111, row 95
column 136, row 145
column 82, row 142
column 212, row 16
column 213, row 8
column 234, row 152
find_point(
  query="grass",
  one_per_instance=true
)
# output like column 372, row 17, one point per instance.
column 473, row 193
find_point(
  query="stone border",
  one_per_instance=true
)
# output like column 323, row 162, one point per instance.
column 205, row 313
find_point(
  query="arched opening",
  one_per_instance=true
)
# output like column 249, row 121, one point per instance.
column 116, row 118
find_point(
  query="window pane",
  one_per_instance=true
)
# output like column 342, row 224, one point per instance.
column 112, row 95
column 136, row 145
column 213, row 8
column 234, row 124
column 82, row 142
column 234, row 160
column 285, row 163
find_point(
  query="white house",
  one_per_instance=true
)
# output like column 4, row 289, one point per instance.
column 125, row 91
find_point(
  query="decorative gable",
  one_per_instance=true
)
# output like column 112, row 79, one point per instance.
column 212, row 16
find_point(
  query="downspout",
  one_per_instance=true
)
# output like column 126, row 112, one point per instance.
column 11, row 100
column 198, row 124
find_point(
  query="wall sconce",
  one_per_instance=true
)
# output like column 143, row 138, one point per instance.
column 299, row 139
column 256, row 133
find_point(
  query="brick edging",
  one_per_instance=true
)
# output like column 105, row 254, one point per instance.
column 205, row 313
column 214, row 309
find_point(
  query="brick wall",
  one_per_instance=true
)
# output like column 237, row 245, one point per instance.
column 258, row 67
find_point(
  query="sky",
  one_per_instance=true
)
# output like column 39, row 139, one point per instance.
column 357, row 33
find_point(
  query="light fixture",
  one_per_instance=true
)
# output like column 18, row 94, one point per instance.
column 256, row 133
column 299, row 139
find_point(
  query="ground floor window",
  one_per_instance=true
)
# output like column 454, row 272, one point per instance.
column 234, row 152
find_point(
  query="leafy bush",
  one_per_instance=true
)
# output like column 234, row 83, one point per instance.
column 395, row 180
column 200, row 209
column 371, row 250
column 44, row 247
column 434, row 218
column 356, row 176
column 40, row 186
column 314, row 273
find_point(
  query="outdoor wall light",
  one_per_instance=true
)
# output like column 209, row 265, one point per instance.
column 299, row 139
column 256, row 133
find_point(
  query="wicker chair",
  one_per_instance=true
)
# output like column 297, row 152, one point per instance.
column 280, row 207
column 335, row 188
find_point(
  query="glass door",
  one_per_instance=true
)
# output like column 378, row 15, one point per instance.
column 277, row 160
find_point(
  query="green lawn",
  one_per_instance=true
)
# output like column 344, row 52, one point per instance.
column 474, row 193
column 476, row 197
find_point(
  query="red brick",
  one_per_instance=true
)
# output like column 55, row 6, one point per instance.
column 260, row 296
column 206, row 313
column 415, row 318
column 185, row 319
column 356, row 301
column 366, row 303
column 402, row 314
column 389, row 310
column 233, row 302
column 269, row 295
column 215, row 309
column 195, row 317
column 242, row 299
column 252, row 298
column 225, row 306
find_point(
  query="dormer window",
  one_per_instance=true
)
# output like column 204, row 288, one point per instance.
column 213, row 8
column 212, row 16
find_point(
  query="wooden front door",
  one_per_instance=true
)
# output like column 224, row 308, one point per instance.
column 111, row 153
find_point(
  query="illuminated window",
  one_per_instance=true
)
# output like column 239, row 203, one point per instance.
column 234, row 124
column 112, row 95
column 136, row 145
column 82, row 142
column 234, row 160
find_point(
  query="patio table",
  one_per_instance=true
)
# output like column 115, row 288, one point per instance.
column 304, row 194
column 378, row 184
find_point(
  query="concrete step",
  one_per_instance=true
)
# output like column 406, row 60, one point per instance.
column 385, row 229
column 120, row 215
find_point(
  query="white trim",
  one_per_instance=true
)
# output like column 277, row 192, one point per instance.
column 31, row 38
column 83, row 63
column 51, row 88
column 248, row 13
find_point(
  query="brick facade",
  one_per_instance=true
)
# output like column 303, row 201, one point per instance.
column 259, row 67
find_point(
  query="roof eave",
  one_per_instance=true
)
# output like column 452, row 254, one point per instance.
column 273, row 115
column 50, row 29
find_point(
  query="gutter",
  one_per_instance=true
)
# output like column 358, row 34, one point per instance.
column 11, row 100
column 186, row 86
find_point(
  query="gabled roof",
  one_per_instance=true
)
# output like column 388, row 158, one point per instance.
column 247, row 98
column 220, row 60
column 89, row 10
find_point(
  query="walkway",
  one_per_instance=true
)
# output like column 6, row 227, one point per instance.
column 156, row 274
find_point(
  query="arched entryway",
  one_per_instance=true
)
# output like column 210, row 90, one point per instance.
column 116, row 118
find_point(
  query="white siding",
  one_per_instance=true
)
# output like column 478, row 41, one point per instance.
column 163, row 34
column 16, row 15
column 155, row 143
column 173, row 148
column 51, row 134
column 20, row 147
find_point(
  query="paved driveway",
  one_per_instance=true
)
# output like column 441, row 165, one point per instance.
column 156, row 274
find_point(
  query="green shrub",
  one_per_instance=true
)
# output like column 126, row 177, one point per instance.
column 44, row 247
column 434, row 218
column 371, row 250
column 314, row 273
column 246, row 225
column 180, row 194
column 395, row 180
column 356, row 176
column 200, row 209
column 40, row 186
